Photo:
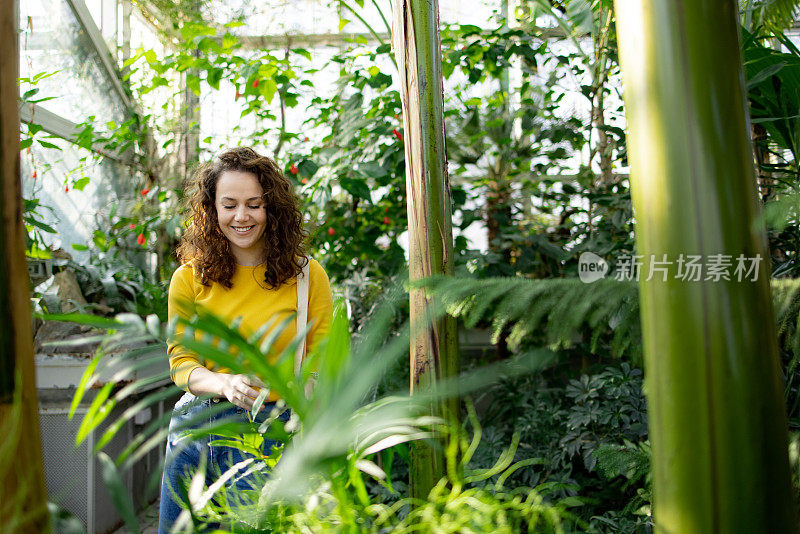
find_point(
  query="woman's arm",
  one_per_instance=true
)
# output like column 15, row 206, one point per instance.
column 185, row 367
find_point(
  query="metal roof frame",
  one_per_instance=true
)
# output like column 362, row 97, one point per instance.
column 85, row 19
column 60, row 127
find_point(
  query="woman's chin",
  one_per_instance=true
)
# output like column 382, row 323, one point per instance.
column 247, row 243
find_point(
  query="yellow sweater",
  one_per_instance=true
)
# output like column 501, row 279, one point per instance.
column 250, row 299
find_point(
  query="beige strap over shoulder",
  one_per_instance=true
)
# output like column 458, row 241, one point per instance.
column 302, row 314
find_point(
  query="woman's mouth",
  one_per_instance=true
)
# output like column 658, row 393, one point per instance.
column 243, row 229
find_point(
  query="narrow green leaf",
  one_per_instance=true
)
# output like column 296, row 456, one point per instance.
column 118, row 491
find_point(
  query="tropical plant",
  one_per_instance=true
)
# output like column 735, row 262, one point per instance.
column 567, row 429
column 434, row 343
column 333, row 438
column 689, row 165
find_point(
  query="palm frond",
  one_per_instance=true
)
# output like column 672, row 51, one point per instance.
column 773, row 15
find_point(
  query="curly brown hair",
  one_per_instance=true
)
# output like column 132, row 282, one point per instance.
column 203, row 242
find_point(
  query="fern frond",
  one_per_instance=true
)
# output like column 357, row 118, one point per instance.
column 560, row 312
column 557, row 312
column 629, row 461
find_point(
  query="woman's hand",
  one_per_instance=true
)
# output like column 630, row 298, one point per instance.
column 241, row 390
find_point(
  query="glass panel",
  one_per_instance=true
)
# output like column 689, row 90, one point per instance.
column 314, row 16
column 53, row 40
column 276, row 18
column 469, row 12
column 104, row 13
column 50, row 175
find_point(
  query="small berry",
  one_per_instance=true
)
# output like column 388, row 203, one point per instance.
column 386, row 220
column 293, row 169
column 397, row 134
column 144, row 191
column 255, row 83
column 331, row 231
column 238, row 94
column 304, row 181
column 66, row 189
column 305, row 139
column 33, row 175
column 140, row 239
column 132, row 226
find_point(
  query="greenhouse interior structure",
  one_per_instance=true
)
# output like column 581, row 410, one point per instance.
column 444, row 266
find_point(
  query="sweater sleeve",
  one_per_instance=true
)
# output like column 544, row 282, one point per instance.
column 179, row 303
column 320, row 304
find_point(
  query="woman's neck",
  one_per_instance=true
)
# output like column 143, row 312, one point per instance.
column 248, row 258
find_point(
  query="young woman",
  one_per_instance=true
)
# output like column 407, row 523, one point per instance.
column 241, row 255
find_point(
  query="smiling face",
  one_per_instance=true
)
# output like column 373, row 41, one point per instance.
column 242, row 215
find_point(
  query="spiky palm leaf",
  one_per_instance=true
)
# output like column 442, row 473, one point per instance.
column 773, row 15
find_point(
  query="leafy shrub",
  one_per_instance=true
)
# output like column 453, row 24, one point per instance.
column 571, row 425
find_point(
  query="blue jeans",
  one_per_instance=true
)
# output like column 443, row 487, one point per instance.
column 184, row 453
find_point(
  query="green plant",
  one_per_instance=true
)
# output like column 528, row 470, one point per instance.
column 342, row 438
column 457, row 503
column 602, row 317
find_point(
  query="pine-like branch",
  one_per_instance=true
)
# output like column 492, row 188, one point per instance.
column 560, row 312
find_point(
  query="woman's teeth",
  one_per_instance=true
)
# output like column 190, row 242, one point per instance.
column 242, row 229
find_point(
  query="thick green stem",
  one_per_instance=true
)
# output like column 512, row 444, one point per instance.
column 434, row 351
column 717, row 422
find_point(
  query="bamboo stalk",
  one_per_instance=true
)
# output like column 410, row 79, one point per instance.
column 717, row 420
column 23, row 497
column 434, row 351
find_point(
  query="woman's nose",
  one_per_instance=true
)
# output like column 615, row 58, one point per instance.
column 240, row 214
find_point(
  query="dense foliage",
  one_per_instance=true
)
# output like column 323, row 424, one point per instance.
column 558, row 436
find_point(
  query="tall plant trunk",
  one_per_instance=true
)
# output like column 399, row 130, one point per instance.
column 717, row 421
column 23, row 498
column 434, row 350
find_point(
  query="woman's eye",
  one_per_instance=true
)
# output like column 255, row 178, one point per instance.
column 228, row 207
column 254, row 207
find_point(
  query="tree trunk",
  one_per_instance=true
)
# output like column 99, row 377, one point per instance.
column 434, row 351
column 717, row 421
column 23, row 498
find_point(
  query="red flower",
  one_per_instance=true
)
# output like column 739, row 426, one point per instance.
column 386, row 220
column 304, row 181
column 331, row 231
column 293, row 169
column 66, row 189
column 140, row 239
column 144, row 191
column 132, row 226
column 33, row 175
column 396, row 116
column 255, row 83
column 397, row 134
